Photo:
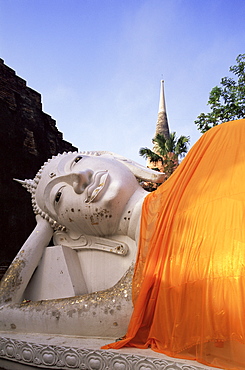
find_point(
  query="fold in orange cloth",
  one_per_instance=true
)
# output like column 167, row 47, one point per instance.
column 189, row 283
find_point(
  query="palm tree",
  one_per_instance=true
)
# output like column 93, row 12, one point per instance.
column 166, row 152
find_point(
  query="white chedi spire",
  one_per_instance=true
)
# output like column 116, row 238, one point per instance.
column 162, row 120
column 162, row 105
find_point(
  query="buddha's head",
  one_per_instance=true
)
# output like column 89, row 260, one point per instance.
column 86, row 193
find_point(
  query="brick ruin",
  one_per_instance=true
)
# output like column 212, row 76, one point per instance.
column 28, row 137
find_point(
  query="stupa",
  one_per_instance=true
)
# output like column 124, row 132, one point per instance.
column 162, row 126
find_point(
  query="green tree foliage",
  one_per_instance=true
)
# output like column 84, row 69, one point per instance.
column 227, row 101
column 166, row 152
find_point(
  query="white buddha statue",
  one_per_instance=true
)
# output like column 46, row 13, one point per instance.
column 89, row 204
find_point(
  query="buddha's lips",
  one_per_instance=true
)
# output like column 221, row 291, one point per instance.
column 98, row 183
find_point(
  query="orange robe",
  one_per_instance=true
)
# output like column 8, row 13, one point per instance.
column 189, row 283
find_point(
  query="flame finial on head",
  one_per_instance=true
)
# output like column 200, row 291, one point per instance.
column 29, row 184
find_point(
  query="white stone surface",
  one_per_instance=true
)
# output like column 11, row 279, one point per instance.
column 58, row 275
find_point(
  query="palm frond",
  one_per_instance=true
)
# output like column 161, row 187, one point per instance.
column 182, row 145
column 149, row 154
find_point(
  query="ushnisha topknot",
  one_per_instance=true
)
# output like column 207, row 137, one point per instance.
column 138, row 170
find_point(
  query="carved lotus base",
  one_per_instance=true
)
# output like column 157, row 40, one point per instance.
column 39, row 351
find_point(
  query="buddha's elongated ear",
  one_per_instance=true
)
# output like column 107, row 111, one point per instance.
column 31, row 186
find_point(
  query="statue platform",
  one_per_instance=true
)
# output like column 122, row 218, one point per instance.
column 42, row 351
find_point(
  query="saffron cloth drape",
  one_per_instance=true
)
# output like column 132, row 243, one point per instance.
column 189, row 283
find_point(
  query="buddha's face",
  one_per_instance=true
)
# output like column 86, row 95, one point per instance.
column 87, row 194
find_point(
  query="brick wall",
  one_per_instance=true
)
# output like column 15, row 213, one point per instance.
column 28, row 137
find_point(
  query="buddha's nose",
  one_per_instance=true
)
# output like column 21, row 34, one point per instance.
column 81, row 180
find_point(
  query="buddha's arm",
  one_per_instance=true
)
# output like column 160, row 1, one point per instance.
column 20, row 271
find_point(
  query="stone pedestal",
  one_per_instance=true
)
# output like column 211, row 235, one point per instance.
column 33, row 351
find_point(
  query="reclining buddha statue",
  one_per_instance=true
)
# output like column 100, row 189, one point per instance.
column 180, row 250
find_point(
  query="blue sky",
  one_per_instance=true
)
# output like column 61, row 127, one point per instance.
column 98, row 63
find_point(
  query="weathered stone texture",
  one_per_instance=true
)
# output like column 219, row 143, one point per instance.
column 28, row 137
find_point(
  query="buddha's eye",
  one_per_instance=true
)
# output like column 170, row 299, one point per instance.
column 58, row 196
column 77, row 159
